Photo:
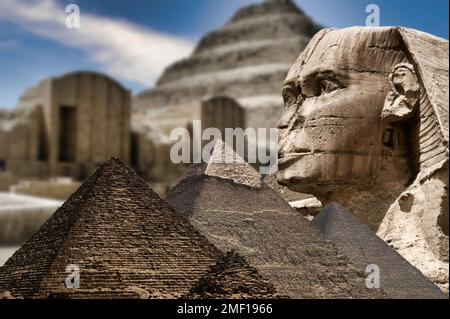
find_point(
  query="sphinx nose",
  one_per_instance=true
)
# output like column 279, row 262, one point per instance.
column 282, row 124
column 285, row 119
column 291, row 119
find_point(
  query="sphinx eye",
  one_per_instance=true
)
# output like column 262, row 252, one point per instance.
column 328, row 83
column 328, row 86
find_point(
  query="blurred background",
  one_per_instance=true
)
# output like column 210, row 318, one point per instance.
column 70, row 98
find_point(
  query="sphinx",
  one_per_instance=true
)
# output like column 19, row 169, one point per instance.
column 365, row 124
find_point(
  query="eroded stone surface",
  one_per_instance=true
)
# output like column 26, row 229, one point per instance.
column 365, row 125
column 125, row 239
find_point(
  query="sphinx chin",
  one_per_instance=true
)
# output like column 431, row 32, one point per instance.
column 301, row 183
column 313, row 183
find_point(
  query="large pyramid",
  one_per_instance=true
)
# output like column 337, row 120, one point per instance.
column 125, row 239
column 247, row 60
column 398, row 278
column 237, row 211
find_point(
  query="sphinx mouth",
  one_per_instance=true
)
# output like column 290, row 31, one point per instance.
column 286, row 160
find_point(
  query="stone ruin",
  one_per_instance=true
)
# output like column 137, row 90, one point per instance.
column 366, row 125
column 64, row 127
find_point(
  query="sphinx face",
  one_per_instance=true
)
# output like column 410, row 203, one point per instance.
column 330, row 132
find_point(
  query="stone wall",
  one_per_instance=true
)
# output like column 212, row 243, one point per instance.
column 66, row 126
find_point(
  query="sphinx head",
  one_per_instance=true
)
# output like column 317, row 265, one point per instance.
column 351, row 101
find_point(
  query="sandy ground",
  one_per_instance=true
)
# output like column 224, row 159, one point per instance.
column 5, row 253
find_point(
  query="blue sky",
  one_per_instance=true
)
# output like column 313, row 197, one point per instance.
column 134, row 40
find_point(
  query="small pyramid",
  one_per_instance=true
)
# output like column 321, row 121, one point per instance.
column 267, row 232
column 233, row 278
column 125, row 239
column 398, row 278
column 227, row 164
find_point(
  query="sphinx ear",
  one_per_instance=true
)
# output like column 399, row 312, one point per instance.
column 404, row 94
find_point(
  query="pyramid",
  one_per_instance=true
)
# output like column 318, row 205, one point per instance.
column 247, row 59
column 233, row 278
column 398, row 278
column 125, row 239
column 253, row 220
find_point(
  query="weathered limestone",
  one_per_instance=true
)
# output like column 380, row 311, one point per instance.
column 125, row 239
column 398, row 278
column 366, row 125
column 66, row 126
column 236, row 70
column 245, row 215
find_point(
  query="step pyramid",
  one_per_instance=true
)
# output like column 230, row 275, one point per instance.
column 125, row 239
column 246, row 59
column 237, row 211
column 233, row 278
column 398, row 278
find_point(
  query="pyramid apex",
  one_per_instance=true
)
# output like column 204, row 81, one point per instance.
column 224, row 154
column 114, row 160
column 225, row 163
column 114, row 166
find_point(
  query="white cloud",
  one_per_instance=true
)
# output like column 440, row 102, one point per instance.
column 122, row 49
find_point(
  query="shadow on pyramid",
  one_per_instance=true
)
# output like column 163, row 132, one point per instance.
column 125, row 239
column 229, row 203
column 224, row 281
column 398, row 278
